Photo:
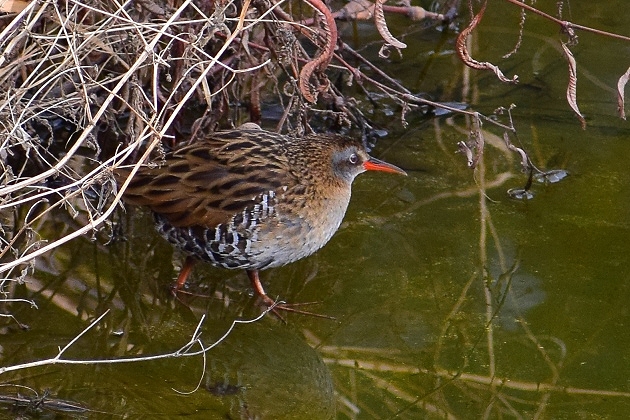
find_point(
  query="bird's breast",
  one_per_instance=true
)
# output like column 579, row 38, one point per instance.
column 276, row 229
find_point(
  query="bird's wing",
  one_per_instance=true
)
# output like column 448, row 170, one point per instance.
column 207, row 183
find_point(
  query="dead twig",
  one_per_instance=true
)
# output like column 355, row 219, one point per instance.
column 464, row 55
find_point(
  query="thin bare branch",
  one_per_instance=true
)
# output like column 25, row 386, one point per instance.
column 183, row 351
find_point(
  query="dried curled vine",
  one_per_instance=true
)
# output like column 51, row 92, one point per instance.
column 464, row 55
column 321, row 62
column 381, row 25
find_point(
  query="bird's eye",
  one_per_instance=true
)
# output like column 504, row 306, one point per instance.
column 353, row 159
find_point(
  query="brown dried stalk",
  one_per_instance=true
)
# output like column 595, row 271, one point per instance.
column 519, row 41
column 464, row 55
column 320, row 63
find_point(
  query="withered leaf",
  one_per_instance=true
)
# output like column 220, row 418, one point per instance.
column 621, row 85
column 381, row 25
column 572, row 86
column 464, row 55
column 357, row 10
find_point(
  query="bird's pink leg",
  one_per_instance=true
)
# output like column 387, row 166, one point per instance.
column 189, row 263
column 258, row 287
column 270, row 303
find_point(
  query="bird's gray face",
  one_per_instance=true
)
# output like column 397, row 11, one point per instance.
column 349, row 162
